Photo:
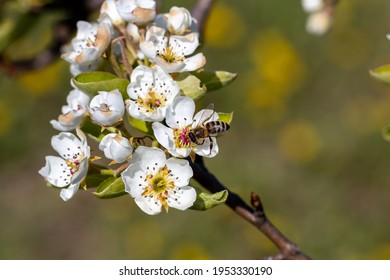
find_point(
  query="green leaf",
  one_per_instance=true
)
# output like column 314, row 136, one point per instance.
column 143, row 126
column 382, row 74
column 92, row 82
column 110, row 188
column 214, row 80
column 94, row 180
column 206, row 201
column 386, row 133
column 190, row 85
column 226, row 117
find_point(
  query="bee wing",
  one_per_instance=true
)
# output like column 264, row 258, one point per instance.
column 204, row 117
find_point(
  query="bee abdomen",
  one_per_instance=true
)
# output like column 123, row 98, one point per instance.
column 217, row 127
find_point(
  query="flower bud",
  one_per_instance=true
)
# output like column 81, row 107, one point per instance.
column 179, row 20
column 116, row 147
column 107, row 108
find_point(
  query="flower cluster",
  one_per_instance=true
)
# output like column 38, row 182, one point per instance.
column 130, row 44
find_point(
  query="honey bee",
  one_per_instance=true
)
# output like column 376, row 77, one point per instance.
column 204, row 129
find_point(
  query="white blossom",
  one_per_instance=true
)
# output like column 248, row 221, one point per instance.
column 178, row 21
column 137, row 11
column 74, row 112
column 109, row 8
column 155, row 182
column 89, row 44
column 116, row 147
column 107, row 108
column 68, row 170
column 172, row 53
column 151, row 91
column 180, row 120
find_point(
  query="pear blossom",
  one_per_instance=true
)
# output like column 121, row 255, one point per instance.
column 72, row 113
column 137, row 11
column 155, row 182
column 116, row 147
column 69, row 169
column 172, row 53
column 89, row 44
column 178, row 21
column 107, row 108
column 151, row 91
column 181, row 120
column 108, row 8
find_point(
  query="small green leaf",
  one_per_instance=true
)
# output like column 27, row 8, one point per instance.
column 190, row 85
column 94, row 180
column 92, row 82
column 143, row 126
column 226, row 117
column 386, row 133
column 110, row 188
column 382, row 74
column 206, row 201
column 214, row 80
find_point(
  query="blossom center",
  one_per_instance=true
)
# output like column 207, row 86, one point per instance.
column 159, row 186
column 182, row 140
column 74, row 163
column 169, row 54
column 152, row 101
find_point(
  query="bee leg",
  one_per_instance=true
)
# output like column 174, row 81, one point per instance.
column 211, row 144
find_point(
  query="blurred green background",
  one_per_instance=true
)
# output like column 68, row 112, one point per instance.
column 306, row 136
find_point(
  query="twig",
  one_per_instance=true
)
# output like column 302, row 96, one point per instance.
column 253, row 214
column 201, row 12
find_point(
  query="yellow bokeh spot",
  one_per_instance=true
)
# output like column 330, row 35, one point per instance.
column 278, row 72
column 6, row 118
column 365, row 114
column 299, row 142
column 382, row 252
column 144, row 240
column 189, row 251
column 42, row 81
column 225, row 27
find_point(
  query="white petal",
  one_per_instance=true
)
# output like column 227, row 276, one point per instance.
column 186, row 197
column 181, row 170
column 133, row 178
column 148, row 49
column 56, row 172
column 181, row 112
column 206, row 150
column 81, row 172
column 142, row 79
column 152, row 158
column 66, row 144
column 150, row 206
column 69, row 192
column 194, row 62
column 184, row 45
column 168, row 66
column 164, row 136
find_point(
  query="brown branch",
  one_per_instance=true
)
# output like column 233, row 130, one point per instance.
column 201, row 12
column 254, row 214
